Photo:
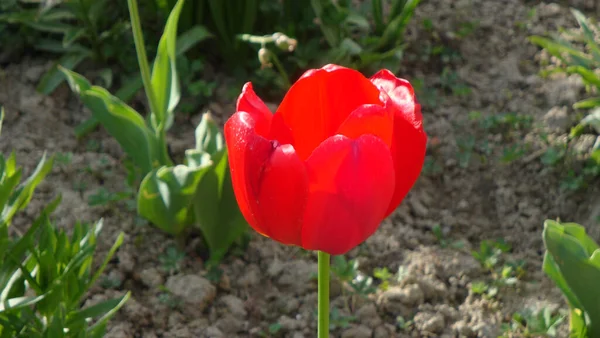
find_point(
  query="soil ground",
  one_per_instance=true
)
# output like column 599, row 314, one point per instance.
column 474, row 187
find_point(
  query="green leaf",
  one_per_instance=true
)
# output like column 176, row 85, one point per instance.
column 588, row 75
column 53, row 78
column 588, row 34
column 165, row 83
column 121, row 121
column 570, row 248
column 107, row 259
column 21, row 197
column 587, row 103
column 19, row 302
column 559, row 50
column 97, row 330
column 166, row 195
column 216, row 210
column 394, row 32
column 72, row 35
column 101, row 309
column 191, row 38
column 592, row 119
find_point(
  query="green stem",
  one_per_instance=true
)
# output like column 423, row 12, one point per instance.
column 281, row 70
column 140, row 49
column 323, row 302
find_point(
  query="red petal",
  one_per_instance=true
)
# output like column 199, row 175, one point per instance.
column 409, row 140
column 351, row 184
column 250, row 103
column 408, row 152
column 282, row 195
column 248, row 152
column 369, row 119
column 318, row 103
column 401, row 93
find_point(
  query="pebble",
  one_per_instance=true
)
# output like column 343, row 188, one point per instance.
column 368, row 315
column 192, row 289
column 360, row 331
column 151, row 277
column 234, row 305
column 429, row 322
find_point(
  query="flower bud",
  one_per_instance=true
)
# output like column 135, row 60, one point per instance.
column 284, row 42
column 264, row 56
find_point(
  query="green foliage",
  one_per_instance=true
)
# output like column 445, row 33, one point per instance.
column 578, row 53
column 529, row 323
column 572, row 261
column 45, row 273
column 173, row 197
column 354, row 41
column 489, row 253
column 76, row 31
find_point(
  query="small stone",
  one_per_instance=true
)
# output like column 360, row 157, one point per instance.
column 289, row 324
column 126, row 261
column 382, row 332
column 230, row 324
column 192, row 289
column 548, row 10
column 151, row 277
column 234, row 305
column 463, row 205
column 298, row 334
column 368, row 315
column 432, row 288
column 213, row 332
column 396, row 299
column 360, row 331
column 462, row 328
column 429, row 322
column 297, row 275
column 557, row 119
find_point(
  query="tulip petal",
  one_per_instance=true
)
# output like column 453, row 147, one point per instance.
column 250, row 103
column 401, row 94
column 318, row 103
column 248, row 152
column 282, row 195
column 409, row 140
column 351, row 184
column 369, row 119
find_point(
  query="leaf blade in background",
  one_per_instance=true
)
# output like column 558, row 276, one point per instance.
column 121, row 121
column 165, row 82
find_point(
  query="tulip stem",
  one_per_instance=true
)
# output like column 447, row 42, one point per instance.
column 323, row 301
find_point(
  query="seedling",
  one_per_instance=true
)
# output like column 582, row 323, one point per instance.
column 444, row 243
column 530, row 323
column 384, row 275
column 171, row 259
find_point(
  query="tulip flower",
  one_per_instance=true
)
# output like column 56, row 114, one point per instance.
column 337, row 157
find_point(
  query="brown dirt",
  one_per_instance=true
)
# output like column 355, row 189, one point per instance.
column 471, row 201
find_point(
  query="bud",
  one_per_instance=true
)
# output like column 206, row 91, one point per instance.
column 284, row 42
column 264, row 56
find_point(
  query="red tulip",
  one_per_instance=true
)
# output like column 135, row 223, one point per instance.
column 337, row 157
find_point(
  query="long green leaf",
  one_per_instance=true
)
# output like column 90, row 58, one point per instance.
column 570, row 250
column 121, row 121
column 53, row 78
column 21, row 197
column 191, row 38
column 165, row 82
